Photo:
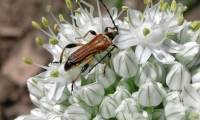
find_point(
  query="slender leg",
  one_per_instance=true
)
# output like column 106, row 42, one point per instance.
column 109, row 52
column 67, row 46
column 90, row 31
column 84, row 68
column 107, row 63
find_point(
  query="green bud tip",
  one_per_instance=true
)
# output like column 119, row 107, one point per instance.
column 146, row 31
column 45, row 22
column 56, row 28
column 36, row 25
column 69, row 4
column 48, row 8
column 180, row 21
column 27, row 60
column 125, row 7
column 164, row 6
column 39, row 41
column 173, row 5
column 54, row 73
column 53, row 41
column 61, row 17
column 34, row 81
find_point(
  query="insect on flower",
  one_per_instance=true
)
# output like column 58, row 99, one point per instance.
column 87, row 52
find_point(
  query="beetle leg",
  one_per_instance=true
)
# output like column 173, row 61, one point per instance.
column 109, row 52
column 84, row 68
column 107, row 63
column 68, row 46
column 90, row 31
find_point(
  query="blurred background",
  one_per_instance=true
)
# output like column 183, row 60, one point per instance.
column 17, row 39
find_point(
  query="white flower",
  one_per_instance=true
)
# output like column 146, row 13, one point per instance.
column 149, row 34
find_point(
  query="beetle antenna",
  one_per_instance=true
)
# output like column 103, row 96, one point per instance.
column 109, row 15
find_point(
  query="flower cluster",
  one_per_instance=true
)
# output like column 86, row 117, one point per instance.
column 154, row 73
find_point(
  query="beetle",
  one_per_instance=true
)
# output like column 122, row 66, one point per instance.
column 87, row 52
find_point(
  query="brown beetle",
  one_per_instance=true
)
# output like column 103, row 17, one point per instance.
column 87, row 52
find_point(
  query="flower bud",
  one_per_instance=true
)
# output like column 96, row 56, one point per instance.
column 35, row 100
column 177, row 77
column 191, row 96
column 172, row 96
column 75, row 112
column 145, row 71
column 128, row 64
column 45, row 105
column 149, row 94
column 107, row 108
column 92, row 94
column 105, row 80
column 175, row 111
column 196, row 75
column 35, row 87
column 121, row 94
column 98, row 117
column 59, row 108
column 158, row 114
column 125, row 110
column 53, row 116
column 124, row 83
column 189, row 54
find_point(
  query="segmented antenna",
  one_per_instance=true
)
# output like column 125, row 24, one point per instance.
column 109, row 15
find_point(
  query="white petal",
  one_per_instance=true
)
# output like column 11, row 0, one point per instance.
column 142, row 53
column 191, row 97
column 171, row 46
column 163, row 56
column 124, row 41
column 133, row 19
column 125, row 64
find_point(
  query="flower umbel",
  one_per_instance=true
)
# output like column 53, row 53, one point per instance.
column 149, row 69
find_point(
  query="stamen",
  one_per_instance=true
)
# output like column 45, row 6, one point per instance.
column 30, row 62
column 39, row 41
column 89, row 5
